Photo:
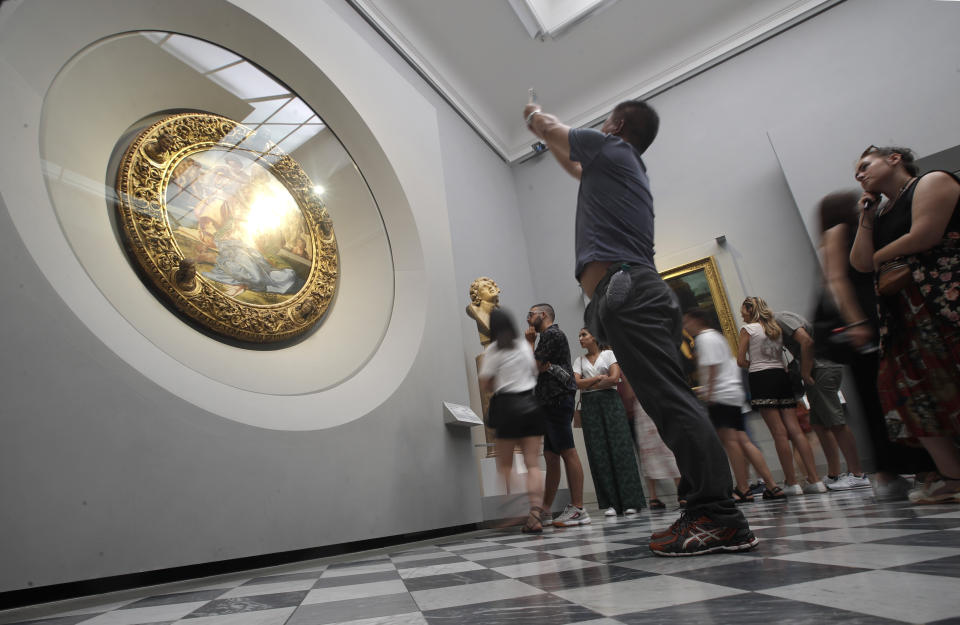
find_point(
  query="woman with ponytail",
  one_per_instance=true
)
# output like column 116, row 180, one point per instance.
column 761, row 352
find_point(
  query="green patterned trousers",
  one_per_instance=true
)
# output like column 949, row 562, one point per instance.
column 610, row 450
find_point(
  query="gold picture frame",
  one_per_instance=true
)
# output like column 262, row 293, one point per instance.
column 227, row 228
column 699, row 284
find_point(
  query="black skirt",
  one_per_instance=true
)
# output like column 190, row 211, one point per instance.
column 516, row 415
column 771, row 388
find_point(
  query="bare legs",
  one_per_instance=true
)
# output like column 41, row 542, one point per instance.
column 741, row 451
column 944, row 454
column 784, row 427
column 571, row 462
column 652, row 487
column 831, row 450
column 530, row 447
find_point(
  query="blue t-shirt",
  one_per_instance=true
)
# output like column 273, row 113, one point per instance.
column 614, row 204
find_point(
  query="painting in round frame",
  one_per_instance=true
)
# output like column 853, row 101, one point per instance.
column 227, row 228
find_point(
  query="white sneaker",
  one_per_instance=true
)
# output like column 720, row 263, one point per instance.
column 858, row 482
column 830, row 481
column 610, row 512
column 793, row 489
column 571, row 516
column 894, row 490
column 849, row 481
column 814, row 488
column 630, row 511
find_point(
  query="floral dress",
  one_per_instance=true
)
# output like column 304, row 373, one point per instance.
column 919, row 377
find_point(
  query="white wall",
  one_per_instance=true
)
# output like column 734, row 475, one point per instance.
column 865, row 71
column 110, row 465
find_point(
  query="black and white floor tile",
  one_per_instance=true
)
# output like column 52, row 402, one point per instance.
column 838, row 556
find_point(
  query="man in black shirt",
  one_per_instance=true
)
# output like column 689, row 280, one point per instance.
column 556, row 389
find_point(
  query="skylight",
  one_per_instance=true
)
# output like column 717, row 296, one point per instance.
column 548, row 19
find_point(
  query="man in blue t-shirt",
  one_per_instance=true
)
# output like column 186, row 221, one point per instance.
column 633, row 310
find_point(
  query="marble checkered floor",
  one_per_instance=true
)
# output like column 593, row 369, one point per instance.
column 835, row 557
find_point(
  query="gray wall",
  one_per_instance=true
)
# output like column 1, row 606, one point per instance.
column 866, row 71
column 106, row 469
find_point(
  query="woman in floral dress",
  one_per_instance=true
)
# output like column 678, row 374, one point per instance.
column 919, row 377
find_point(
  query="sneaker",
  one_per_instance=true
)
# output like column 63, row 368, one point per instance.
column 814, row 488
column 703, row 536
column 793, row 489
column 571, row 516
column 676, row 526
column 936, row 492
column 848, row 481
column 830, row 481
column 630, row 511
column 758, row 488
column 858, row 481
column 610, row 512
column 894, row 490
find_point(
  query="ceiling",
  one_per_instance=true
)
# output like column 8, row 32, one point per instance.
column 481, row 58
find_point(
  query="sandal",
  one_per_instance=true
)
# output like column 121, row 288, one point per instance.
column 739, row 497
column 533, row 524
column 656, row 504
column 776, row 493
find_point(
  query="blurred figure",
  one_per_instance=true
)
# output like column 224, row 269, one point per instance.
column 919, row 375
column 557, row 392
column 846, row 331
column 656, row 460
column 606, row 432
column 509, row 371
column 721, row 390
column 821, row 379
column 761, row 352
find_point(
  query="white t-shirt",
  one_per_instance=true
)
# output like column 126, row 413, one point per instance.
column 712, row 349
column 764, row 353
column 586, row 369
column 513, row 370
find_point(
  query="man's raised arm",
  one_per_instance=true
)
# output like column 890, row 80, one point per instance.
column 553, row 133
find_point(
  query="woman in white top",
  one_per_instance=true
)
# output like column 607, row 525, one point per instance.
column 509, row 370
column 761, row 351
column 606, row 431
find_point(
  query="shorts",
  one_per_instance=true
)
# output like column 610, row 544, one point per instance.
column 558, row 428
column 825, row 406
column 770, row 388
column 726, row 416
column 517, row 415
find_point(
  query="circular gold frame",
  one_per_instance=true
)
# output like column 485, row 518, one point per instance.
column 142, row 183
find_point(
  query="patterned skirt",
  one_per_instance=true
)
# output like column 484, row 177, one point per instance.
column 770, row 388
column 919, row 377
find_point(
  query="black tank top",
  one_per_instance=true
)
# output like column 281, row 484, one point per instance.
column 895, row 221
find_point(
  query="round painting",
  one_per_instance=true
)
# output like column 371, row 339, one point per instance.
column 227, row 227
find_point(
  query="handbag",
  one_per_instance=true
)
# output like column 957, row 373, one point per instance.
column 577, row 421
column 893, row 276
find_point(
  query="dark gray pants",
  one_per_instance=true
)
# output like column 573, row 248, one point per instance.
column 645, row 333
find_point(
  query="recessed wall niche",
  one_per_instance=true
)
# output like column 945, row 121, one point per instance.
column 109, row 88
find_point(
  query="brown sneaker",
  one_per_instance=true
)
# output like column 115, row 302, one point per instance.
column 677, row 525
column 701, row 537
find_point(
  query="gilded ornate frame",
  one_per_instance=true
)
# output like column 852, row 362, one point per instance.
column 142, row 181
column 718, row 294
